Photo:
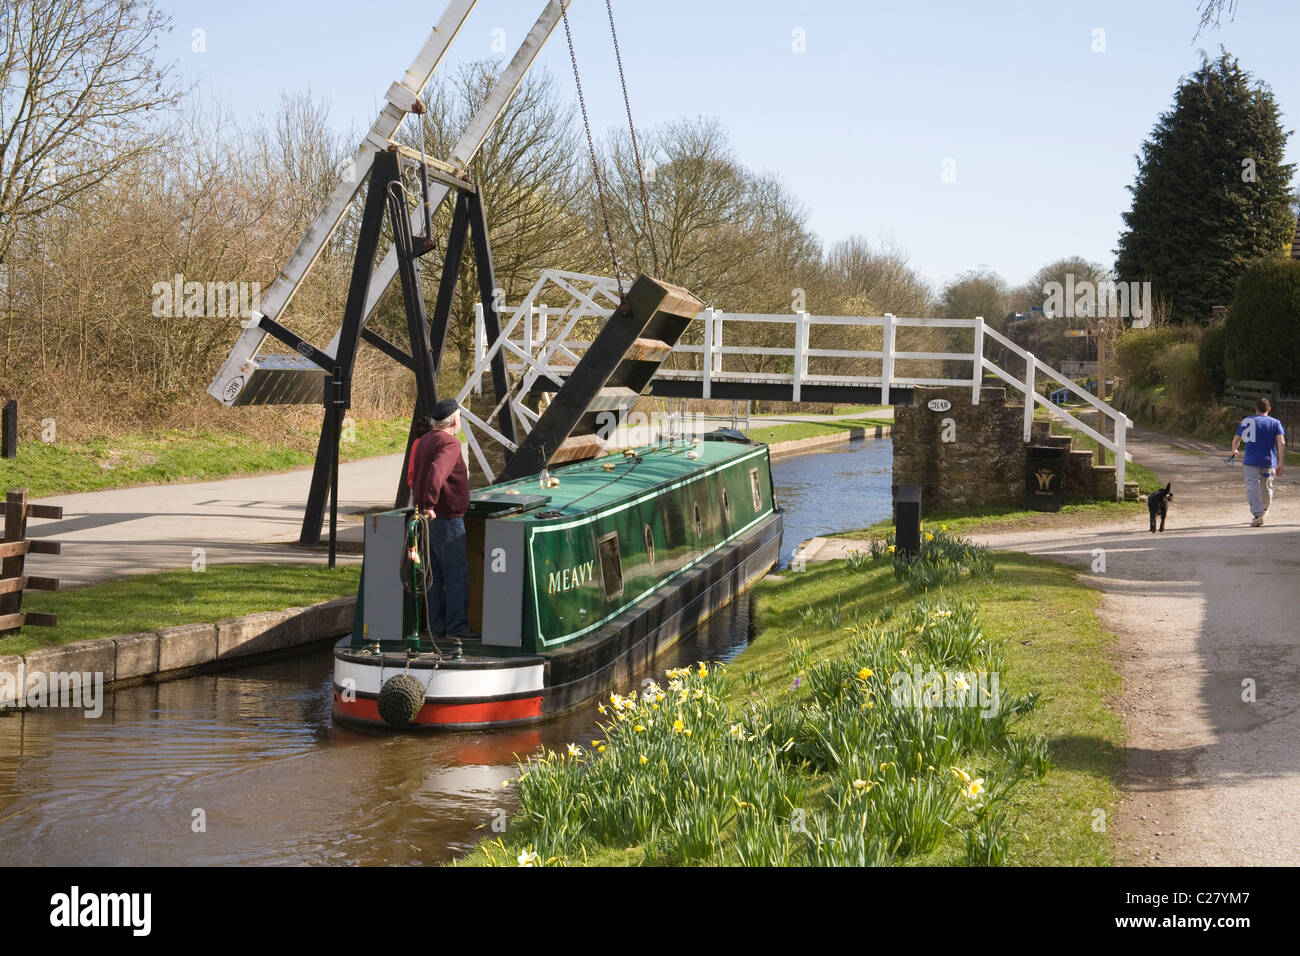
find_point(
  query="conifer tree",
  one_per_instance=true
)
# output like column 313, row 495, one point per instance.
column 1211, row 193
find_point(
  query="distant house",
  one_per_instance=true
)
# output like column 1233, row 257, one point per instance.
column 1036, row 312
column 1295, row 241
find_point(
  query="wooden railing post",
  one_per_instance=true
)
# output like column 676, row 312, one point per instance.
column 1031, row 371
column 977, row 373
column 800, row 353
column 1120, row 453
column 887, row 358
column 706, row 362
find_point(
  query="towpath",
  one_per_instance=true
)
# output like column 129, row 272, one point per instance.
column 1208, row 620
column 110, row 534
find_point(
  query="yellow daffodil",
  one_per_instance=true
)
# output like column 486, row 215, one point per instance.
column 704, row 669
column 943, row 527
column 891, row 549
column 961, row 774
column 678, row 726
column 865, row 673
column 600, row 749
column 928, row 536
column 639, row 728
column 642, row 760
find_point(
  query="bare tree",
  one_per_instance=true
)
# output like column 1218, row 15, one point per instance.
column 77, row 82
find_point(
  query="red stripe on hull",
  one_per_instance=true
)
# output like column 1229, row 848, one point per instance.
column 435, row 714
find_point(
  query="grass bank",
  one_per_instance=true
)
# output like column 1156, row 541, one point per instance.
column 157, row 457
column 146, row 602
column 987, row 520
column 797, row 430
column 800, row 755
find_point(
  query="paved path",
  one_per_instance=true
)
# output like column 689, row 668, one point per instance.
column 1207, row 607
column 109, row 534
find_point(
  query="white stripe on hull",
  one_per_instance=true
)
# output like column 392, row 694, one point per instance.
column 445, row 683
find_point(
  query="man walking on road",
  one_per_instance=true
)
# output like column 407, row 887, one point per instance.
column 1265, row 454
column 440, row 488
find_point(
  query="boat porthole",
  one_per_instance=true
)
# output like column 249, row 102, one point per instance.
column 699, row 523
column 649, row 545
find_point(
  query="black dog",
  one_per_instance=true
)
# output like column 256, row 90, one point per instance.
column 1158, row 504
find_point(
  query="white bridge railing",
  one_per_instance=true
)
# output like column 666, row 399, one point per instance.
column 536, row 341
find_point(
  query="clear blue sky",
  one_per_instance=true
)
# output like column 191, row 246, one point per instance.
column 1041, row 129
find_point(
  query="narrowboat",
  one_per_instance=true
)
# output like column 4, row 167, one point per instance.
column 580, row 577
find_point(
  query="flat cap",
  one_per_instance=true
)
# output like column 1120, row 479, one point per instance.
column 444, row 409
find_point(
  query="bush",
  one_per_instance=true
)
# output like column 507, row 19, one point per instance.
column 1136, row 352
column 1211, row 354
column 1180, row 368
column 1263, row 325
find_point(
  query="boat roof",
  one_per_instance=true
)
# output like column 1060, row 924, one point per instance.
column 589, row 485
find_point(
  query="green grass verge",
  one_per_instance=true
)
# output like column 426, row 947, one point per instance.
column 798, row 430
column 1045, row 621
column 1013, row 519
column 146, row 602
column 163, row 456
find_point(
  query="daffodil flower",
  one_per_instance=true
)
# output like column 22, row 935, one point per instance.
column 639, row 728
column 528, row 858
column 678, row 726
column 865, row 673
column 642, row 760
column 575, row 751
column 975, row 789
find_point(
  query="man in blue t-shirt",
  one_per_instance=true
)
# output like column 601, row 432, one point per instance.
column 1265, row 454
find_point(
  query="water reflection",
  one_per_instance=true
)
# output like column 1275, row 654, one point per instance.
column 248, row 768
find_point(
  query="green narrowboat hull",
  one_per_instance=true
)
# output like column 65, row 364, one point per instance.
column 581, row 577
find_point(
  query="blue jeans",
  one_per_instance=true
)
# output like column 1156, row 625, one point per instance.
column 449, row 590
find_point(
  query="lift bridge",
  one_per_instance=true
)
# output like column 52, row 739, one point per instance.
column 544, row 345
column 553, row 372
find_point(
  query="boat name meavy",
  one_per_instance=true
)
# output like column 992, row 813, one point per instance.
column 569, row 578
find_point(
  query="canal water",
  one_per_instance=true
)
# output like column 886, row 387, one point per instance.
column 247, row 767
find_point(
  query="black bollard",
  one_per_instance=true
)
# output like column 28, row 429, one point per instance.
column 9, row 430
column 907, row 519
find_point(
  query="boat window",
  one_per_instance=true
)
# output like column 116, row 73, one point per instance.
column 699, row 524
column 649, row 545
column 611, row 564
column 756, row 488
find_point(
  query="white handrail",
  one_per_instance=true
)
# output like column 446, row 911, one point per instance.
column 711, row 368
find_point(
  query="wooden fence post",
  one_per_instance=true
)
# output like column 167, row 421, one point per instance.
column 9, row 430
column 13, row 553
